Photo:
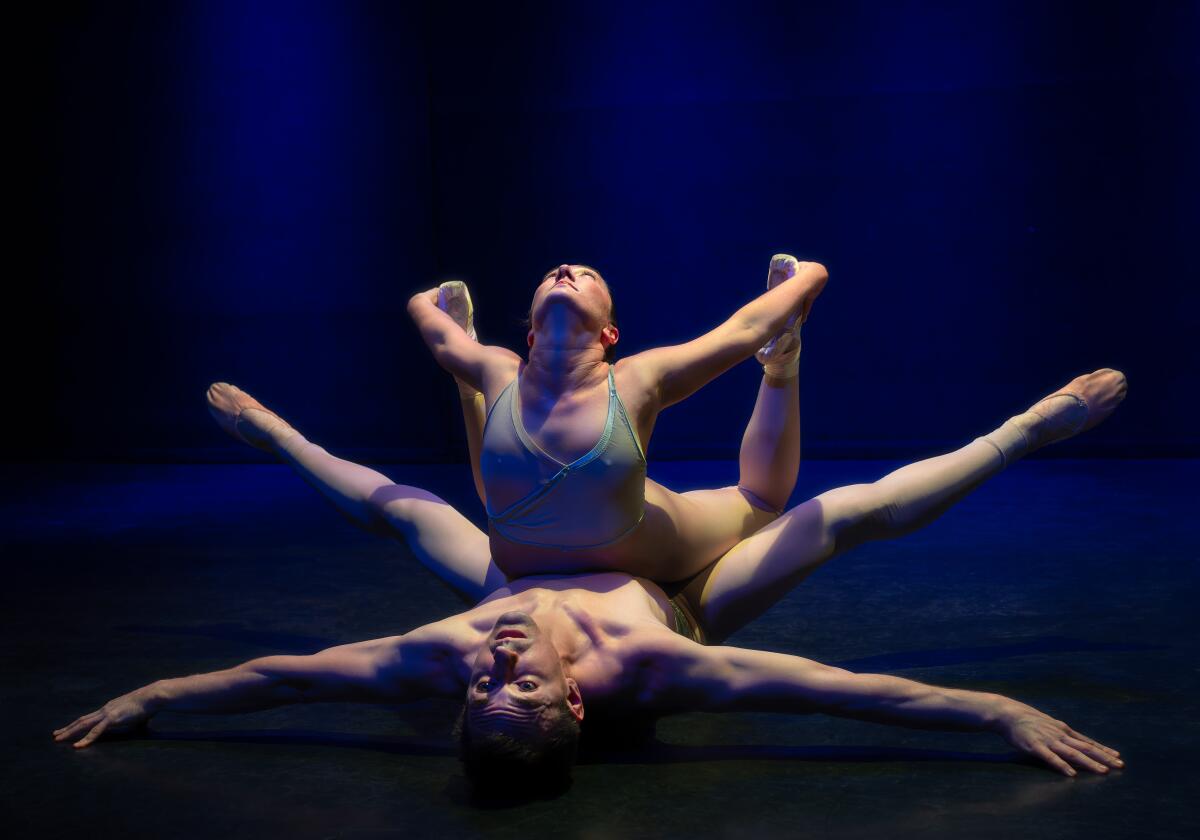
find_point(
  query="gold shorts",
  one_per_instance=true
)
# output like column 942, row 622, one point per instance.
column 686, row 623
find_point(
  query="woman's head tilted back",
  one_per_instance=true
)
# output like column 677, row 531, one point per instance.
column 520, row 724
column 580, row 290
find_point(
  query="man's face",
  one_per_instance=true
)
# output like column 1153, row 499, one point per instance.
column 579, row 286
column 517, row 676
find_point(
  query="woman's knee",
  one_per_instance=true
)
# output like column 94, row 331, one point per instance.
column 398, row 506
column 859, row 513
column 764, row 502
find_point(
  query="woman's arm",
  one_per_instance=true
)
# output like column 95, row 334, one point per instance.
column 484, row 367
column 694, row 677
column 395, row 670
column 676, row 372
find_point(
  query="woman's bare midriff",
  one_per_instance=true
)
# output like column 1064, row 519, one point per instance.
column 673, row 542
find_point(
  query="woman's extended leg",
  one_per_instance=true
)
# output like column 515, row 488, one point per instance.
column 455, row 300
column 762, row 568
column 442, row 539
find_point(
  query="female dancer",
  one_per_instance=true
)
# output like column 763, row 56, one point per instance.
column 561, row 459
column 595, row 509
column 460, row 554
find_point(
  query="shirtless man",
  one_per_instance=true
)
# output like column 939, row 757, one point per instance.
column 533, row 650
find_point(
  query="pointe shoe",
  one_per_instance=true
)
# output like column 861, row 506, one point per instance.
column 227, row 403
column 455, row 300
column 780, row 357
column 1081, row 404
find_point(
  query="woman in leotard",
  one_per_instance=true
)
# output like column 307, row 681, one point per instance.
column 562, row 456
column 447, row 543
column 604, row 478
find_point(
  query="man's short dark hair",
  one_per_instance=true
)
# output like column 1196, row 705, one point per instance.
column 495, row 760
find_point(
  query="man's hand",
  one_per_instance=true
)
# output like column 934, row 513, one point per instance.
column 1055, row 743
column 123, row 714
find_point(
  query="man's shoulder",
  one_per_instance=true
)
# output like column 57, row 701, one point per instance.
column 432, row 653
column 449, row 637
column 646, row 655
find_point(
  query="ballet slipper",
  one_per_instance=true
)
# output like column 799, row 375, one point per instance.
column 1081, row 404
column 780, row 356
column 228, row 405
column 455, row 300
column 1084, row 402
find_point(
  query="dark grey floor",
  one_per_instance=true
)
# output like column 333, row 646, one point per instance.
column 1071, row 585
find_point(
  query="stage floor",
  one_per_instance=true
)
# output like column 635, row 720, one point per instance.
column 1071, row 585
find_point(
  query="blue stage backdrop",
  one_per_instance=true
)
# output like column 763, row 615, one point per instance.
column 1005, row 193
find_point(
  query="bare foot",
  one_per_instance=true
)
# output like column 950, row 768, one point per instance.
column 1082, row 403
column 245, row 418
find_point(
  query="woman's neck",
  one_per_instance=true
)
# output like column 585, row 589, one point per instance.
column 565, row 355
column 562, row 368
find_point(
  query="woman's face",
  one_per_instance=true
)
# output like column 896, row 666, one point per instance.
column 578, row 286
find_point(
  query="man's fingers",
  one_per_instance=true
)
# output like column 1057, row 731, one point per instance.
column 1092, row 741
column 1094, row 751
column 1047, row 755
column 74, row 728
column 1077, row 758
column 96, row 732
column 62, row 729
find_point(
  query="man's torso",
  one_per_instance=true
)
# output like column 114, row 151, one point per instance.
column 599, row 621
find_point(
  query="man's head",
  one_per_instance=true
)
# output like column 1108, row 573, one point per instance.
column 587, row 295
column 520, row 724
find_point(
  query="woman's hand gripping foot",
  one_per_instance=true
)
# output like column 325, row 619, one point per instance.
column 780, row 357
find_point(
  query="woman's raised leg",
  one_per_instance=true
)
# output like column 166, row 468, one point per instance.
column 712, row 521
column 455, row 300
column 762, row 568
column 770, row 455
column 442, row 539
column 474, row 419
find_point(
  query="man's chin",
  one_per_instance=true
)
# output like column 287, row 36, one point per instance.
column 514, row 624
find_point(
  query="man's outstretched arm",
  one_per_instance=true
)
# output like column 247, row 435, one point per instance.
column 694, row 677
column 395, row 669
